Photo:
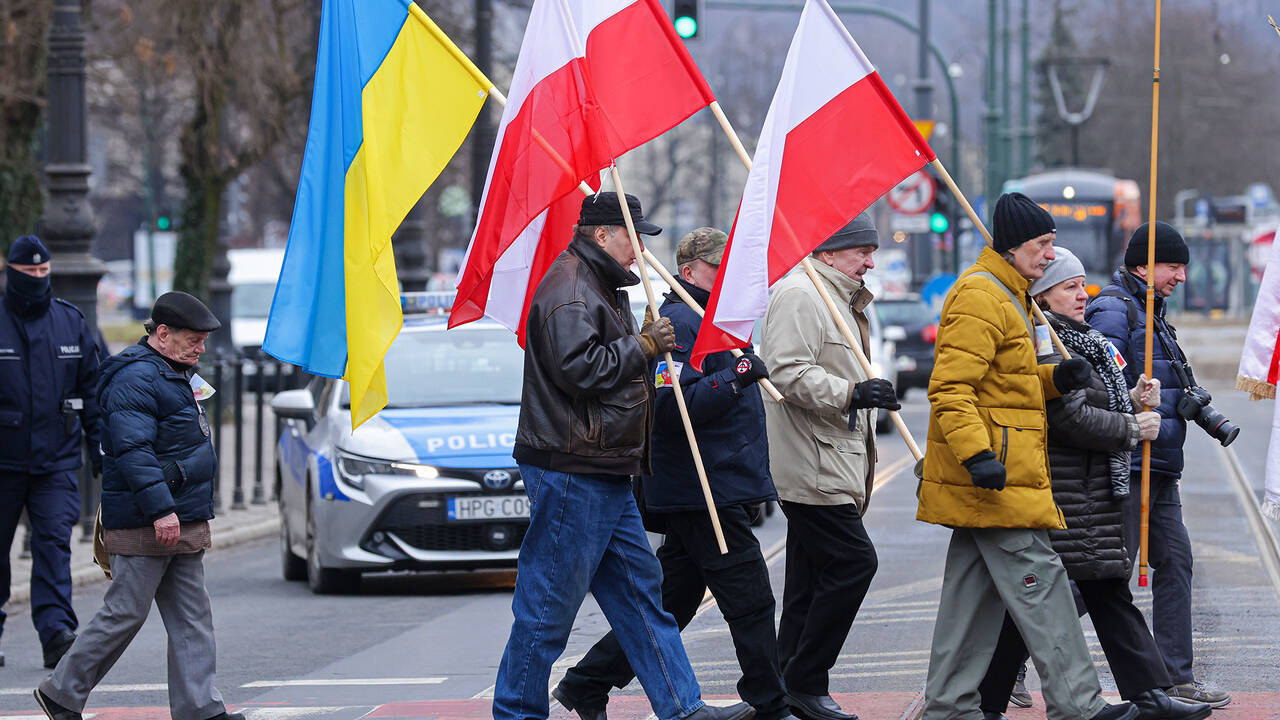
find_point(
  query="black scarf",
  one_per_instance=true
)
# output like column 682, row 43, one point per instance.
column 27, row 295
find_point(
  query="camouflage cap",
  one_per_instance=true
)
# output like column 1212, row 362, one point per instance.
column 705, row 243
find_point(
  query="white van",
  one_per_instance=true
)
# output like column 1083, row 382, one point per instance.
column 253, row 276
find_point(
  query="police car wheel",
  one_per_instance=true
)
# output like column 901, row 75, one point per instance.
column 292, row 567
column 323, row 580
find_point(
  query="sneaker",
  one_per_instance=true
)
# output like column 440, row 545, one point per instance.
column 1198, row 692
column 1020, row 696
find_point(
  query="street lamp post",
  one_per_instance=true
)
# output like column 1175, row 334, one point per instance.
column 67, row 224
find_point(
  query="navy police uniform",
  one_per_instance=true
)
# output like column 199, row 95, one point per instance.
column 48, row 403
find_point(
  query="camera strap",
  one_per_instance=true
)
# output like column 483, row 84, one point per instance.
column 1178, row 361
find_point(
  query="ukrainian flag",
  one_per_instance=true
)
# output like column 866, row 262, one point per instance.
column 393, row 100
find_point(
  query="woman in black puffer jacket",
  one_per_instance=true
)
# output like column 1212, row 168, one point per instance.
column 1092, row 432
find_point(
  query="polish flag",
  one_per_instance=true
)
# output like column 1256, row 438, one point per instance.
column 595, row 79
column 834, row 141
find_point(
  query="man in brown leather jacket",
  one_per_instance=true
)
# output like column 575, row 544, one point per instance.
column 585, row 416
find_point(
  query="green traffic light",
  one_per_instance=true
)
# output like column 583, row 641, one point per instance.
column 686, row 27
column 938, row 223
column 163, row 223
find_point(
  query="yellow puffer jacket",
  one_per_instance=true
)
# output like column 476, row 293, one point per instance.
column 988, row 393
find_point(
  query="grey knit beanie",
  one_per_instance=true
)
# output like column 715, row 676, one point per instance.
column 1065, row 265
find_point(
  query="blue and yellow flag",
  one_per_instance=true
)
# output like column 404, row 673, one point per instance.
column 393, row 100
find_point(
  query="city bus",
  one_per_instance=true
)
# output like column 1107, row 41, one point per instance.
column 1094, row 213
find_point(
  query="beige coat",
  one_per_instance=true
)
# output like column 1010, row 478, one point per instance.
column 813, row 456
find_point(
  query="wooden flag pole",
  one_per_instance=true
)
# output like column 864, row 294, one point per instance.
column 671, row 367
column 843, row 326
column 986, row 236
column 657, row 266
column 1145, row 512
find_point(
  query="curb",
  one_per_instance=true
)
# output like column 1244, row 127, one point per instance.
column 915, row 709
column 91, row 574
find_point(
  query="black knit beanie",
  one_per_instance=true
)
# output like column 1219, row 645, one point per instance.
column 1017, row 219
column 1170, row 247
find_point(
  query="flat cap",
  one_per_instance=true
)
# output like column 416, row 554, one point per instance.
column 28, row 250
column 181, row 311
column 705, row 244
column 603, row 209
column 860, row 232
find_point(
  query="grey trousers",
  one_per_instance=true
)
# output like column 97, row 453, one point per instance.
column 987, row 572
column 176, row 583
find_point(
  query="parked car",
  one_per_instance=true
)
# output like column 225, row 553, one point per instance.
column 913, row 327
column 426, row 484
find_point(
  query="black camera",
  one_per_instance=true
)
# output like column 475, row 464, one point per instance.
column 1194, row 406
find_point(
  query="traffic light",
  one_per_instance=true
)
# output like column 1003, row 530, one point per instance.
column 943, row 210
column 686, row 14
column 164, row 223
column 938, row 222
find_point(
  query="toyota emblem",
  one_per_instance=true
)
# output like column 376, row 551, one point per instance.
column 497, row 479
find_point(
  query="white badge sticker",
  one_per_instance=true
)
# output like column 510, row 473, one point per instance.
column 1044, row 344
column 201, row 388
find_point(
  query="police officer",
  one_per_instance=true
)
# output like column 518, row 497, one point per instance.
column 48, row 401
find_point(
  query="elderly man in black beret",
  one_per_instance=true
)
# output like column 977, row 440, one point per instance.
column 822, row 457
column 157, row 500
column 48, row 407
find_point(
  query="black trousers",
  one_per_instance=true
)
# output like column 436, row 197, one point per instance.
column 1131, row 651
column 830, row 563
column 739, row 581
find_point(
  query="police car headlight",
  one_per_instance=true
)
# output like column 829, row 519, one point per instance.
column 353, row 468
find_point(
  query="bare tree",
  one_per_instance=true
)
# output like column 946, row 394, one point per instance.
column 24, row 29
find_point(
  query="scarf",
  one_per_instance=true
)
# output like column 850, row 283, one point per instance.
column 1089, row 344
column 1260, row 369
column 28, row 295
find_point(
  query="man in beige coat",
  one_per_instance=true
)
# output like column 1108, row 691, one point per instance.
column 822, row 457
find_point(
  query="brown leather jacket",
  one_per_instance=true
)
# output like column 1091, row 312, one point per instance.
column 587, row 402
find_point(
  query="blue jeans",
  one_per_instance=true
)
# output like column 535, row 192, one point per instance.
column 1169, row 555
column 585, row 534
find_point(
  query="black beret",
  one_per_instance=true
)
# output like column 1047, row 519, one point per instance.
column 860, row 232
column 1170, row 247
column 603, row 209
column 181, row 311
column 28, row 250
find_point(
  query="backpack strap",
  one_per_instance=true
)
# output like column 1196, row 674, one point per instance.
column 1130, row 305
column 1022, row 310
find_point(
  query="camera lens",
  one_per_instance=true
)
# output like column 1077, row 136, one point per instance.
column 1217, row 425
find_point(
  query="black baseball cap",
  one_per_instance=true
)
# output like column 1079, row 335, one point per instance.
column 603, row 209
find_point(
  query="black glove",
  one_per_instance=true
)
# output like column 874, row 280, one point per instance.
column 657, row 337
column 748, row 369
column 874, row 393
column 1071, row 375
column 986, row 470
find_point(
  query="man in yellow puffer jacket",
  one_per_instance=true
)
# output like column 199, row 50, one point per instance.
column 986, row 476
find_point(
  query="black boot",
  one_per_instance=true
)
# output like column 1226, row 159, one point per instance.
column 1123, row 711
column 588, row 708
column 737, row 711
column 58, row 647
column 1156, row 705
column 988, row 715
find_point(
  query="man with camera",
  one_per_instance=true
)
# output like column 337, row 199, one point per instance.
column 1119, row 312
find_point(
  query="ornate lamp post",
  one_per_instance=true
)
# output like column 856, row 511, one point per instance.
column 67, row 224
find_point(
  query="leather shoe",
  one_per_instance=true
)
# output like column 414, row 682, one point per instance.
column 1121, row 711
column 988, row 715
column 53, row 710
column 737, row 711
column 224, row 715
column 817, row 707
column 58, row 647
column 1156, row 705
column 587, row 708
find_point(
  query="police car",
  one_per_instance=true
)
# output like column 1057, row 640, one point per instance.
column 426, row 484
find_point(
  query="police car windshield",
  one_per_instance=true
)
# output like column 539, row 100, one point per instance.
column 458, row 367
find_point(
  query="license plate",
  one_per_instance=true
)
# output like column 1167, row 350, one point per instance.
column 490, row 507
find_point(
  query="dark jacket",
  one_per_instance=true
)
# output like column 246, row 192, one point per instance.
column 586, row 406
column 728, row 420
column 1110, row 316
column 158, row 458
column 45, row 360
column 1083, row 433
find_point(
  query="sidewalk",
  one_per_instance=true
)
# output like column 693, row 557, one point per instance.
column 1213, row 345
column 230, row 527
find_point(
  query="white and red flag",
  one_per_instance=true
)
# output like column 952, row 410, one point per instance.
column 834, row 140
column 595, row 78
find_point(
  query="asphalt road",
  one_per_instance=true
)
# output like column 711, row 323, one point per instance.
column 428, row 645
